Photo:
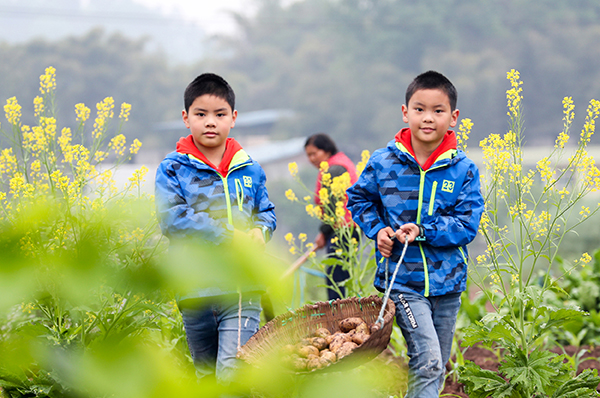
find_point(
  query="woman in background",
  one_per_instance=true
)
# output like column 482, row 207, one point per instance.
column 321, row 148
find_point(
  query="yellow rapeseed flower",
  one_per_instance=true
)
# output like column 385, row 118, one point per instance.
column 293, row 168
column 340, row 184
column 82, row 112
column 100, row 156
column 513, row 95
column 497, row 156
column 48, row 80
column 289, row 238
column 8, row 162
column 135, row 146
column 302, row 237
column 324, row 196
column 464, row 130
column 125, row 111
column 60, row 181
column 561, row 140
column 517, row 209
column 38, row 106
column 545, row 170
column 590, row 121
column 364, row 158
column 12, row 110
column 117, row 143
column 290, row 195
column 340, row 211
column 585, row 258
column 138, row 176
column 35, row 167
column 314, row 211
column 64, row 140
column 325, row 179
column 324, row 167
column 585, row 211
column 568, row 108
column 105, row 111
column 563, row 192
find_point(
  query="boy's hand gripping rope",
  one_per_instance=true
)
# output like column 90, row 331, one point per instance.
column 388, row 290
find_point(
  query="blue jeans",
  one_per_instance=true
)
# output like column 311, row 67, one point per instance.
column 211, row 328
column 427, row 324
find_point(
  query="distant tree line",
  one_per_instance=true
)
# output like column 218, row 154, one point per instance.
column 343, row 65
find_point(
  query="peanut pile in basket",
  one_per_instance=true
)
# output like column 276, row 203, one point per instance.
column 324, row 348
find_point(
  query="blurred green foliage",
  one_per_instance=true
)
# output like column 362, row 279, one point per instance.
column 88, row 285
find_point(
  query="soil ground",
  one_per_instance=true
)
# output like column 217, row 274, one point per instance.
column 486, row 359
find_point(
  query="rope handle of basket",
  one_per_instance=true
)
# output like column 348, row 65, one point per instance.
column 389, row 287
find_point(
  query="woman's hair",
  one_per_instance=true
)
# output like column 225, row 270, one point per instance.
column 322, row 141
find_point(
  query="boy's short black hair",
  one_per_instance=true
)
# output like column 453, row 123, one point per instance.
column 322, row 141
column 208, row 83
column 433, row 80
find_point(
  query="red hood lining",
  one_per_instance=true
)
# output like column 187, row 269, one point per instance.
column 186, row 146
column 448, row 142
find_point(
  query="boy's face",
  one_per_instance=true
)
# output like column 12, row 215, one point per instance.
column 209, row 119
column 429, row 117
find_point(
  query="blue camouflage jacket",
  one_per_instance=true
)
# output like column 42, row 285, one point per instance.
column 194, row 200
column 445, row 199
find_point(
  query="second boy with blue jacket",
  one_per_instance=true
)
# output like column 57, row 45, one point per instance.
column 422, row 189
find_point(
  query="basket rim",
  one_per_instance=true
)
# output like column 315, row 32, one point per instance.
column 259, row 343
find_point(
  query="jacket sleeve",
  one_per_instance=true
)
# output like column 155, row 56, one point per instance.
column 460, row 227
column 264, row 213
column 364, row 202
column 177, row 219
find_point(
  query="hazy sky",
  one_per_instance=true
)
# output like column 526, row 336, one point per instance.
column 210, row 14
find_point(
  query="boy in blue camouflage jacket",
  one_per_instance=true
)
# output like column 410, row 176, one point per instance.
column 422, row 189
column 209, row 191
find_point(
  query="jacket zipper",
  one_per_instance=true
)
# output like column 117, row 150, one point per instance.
column 420, row 208
column 430, row 212
column 226, row 189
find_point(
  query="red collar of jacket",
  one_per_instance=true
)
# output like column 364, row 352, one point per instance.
column 448, row 142
column 186, row 146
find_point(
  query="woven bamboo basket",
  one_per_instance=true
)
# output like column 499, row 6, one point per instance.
column 292, row 326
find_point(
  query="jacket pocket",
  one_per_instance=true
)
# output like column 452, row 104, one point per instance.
column 239, row 193
column 432, row 198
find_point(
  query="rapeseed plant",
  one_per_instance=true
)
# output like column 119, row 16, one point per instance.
column 68, row 234
column 354, row 255
column 528, row 214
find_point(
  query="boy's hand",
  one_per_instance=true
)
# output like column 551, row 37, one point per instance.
column 384, row 243
column 409, row 231
column 255, row 235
